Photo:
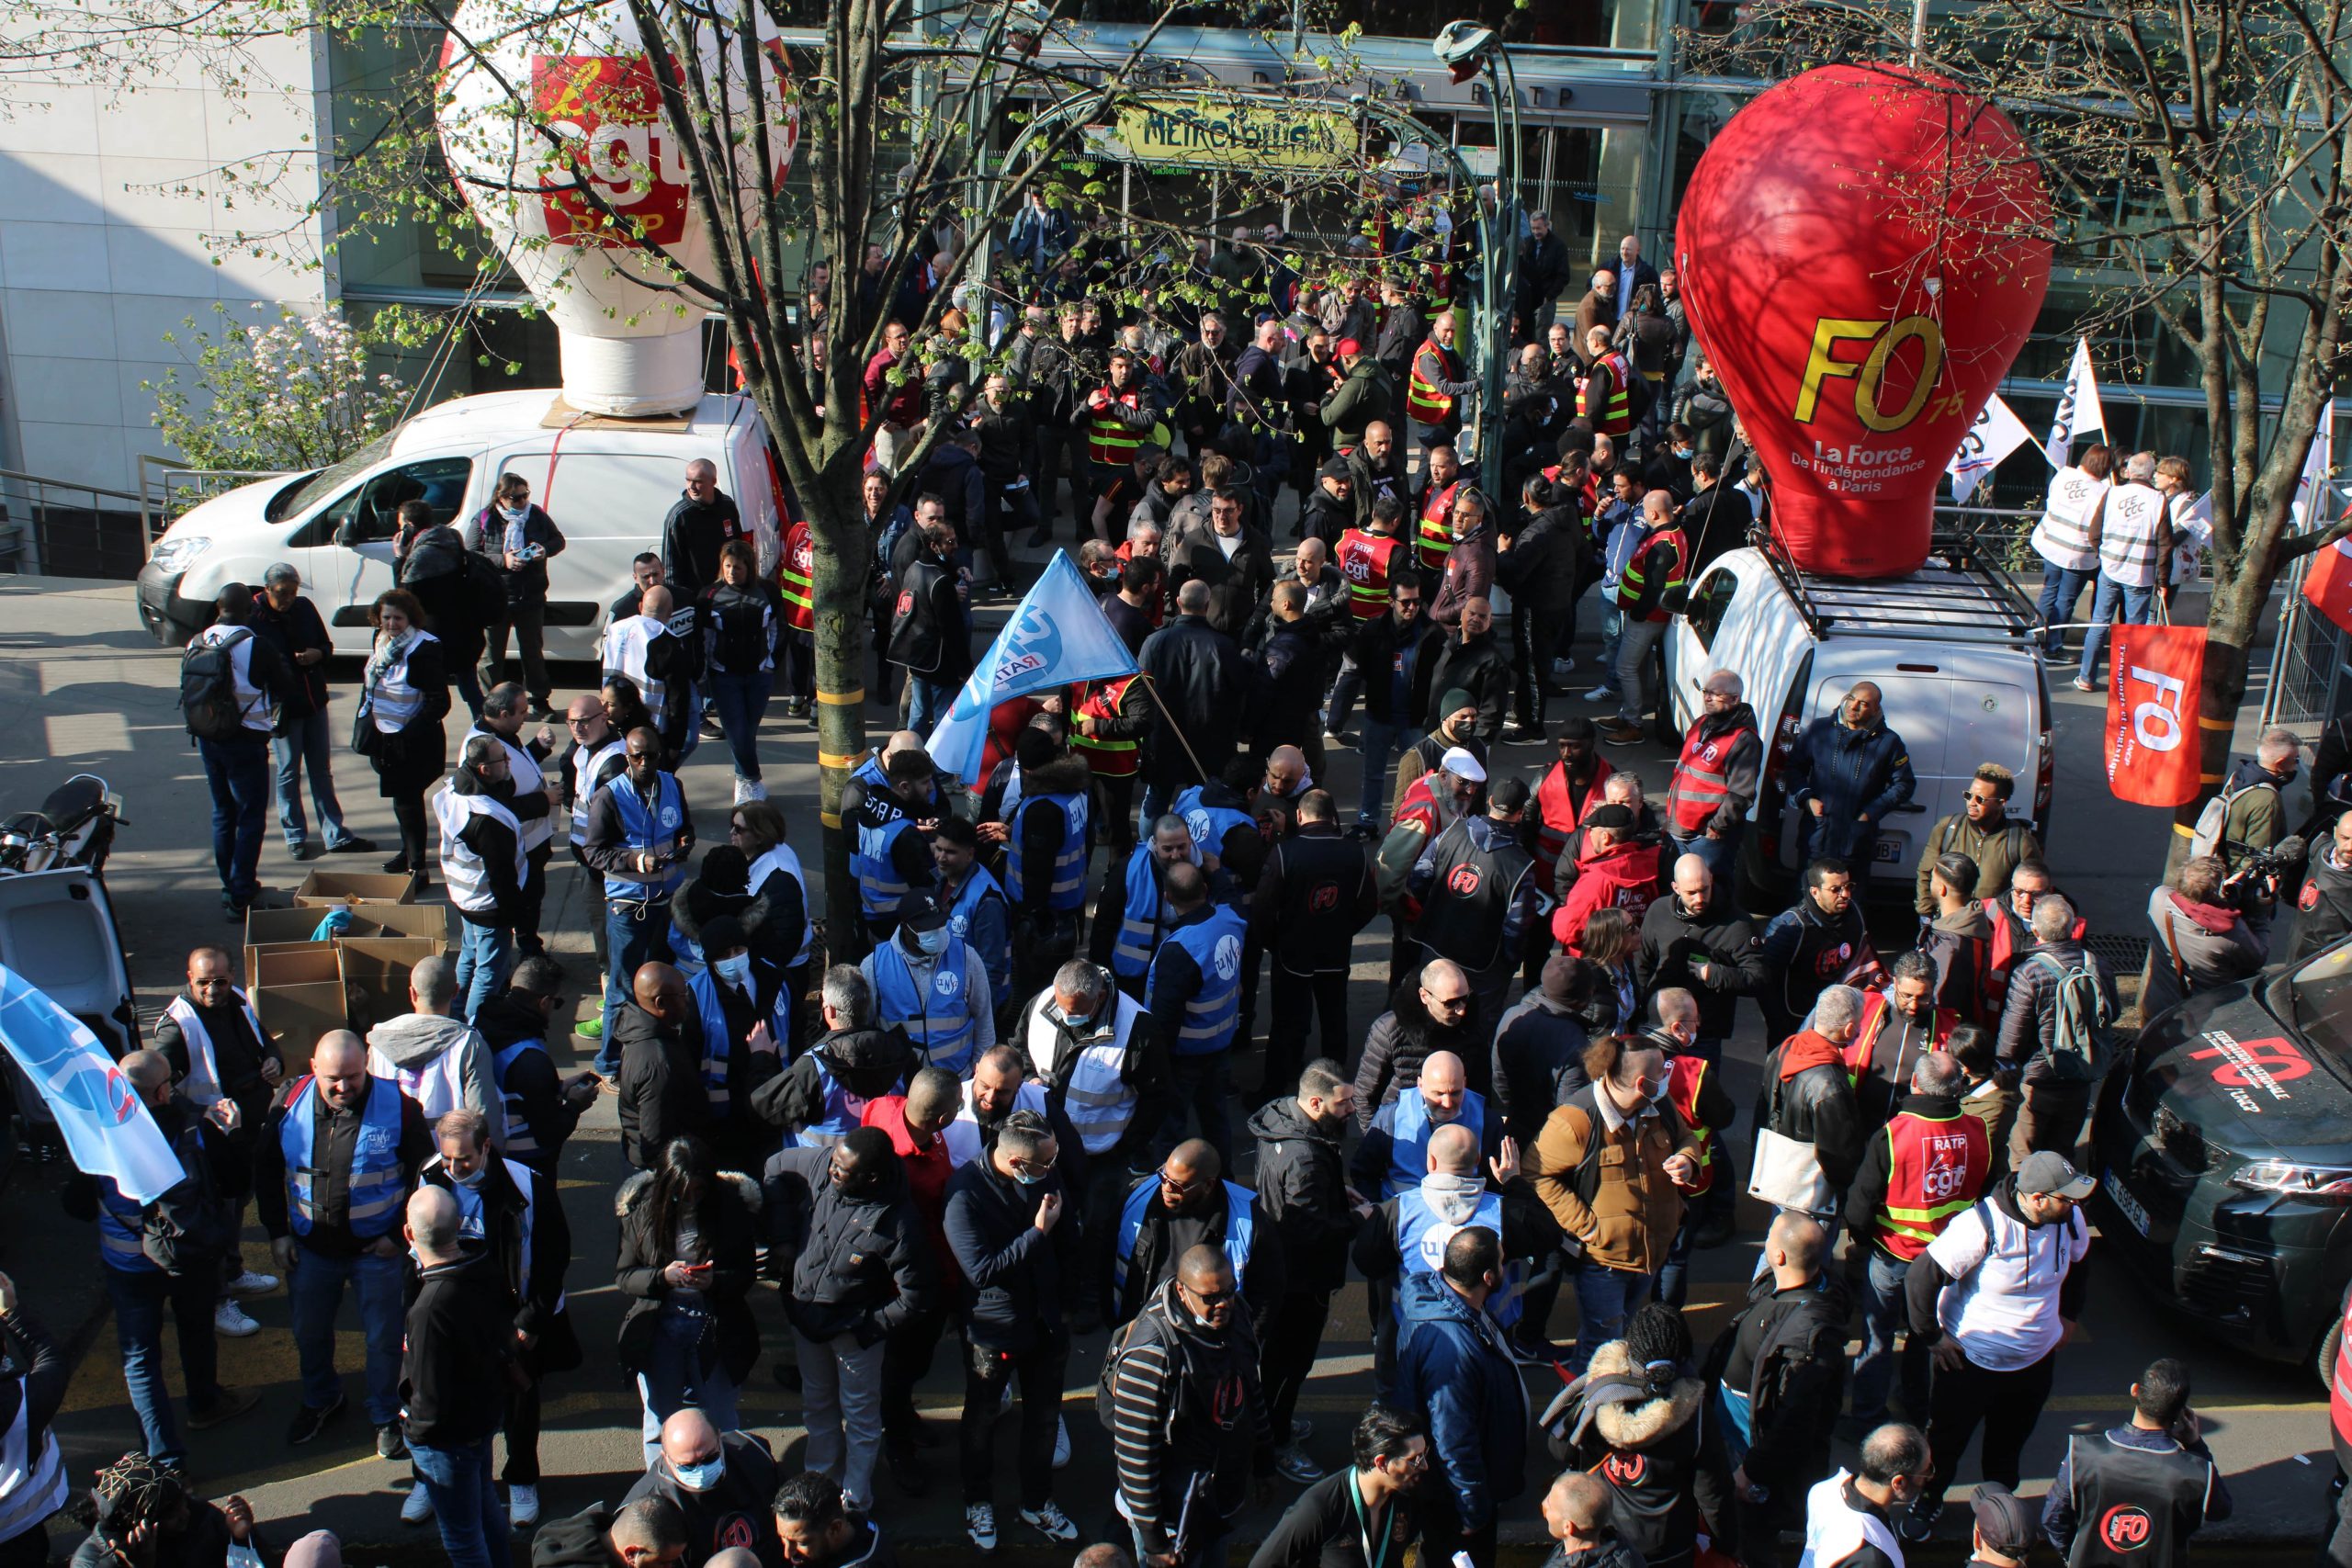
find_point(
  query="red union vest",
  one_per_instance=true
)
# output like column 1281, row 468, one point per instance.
column 1109, row 759
column 1436, row 540
column 1423, row 403
column 1618, row 418
column 795, row 574
column 1876, row 1012
column 1698, row 788
column 1557, row 814
column 1936, row 1167
column 1108, row 442
column 1368, row 561
column 1686, row 1075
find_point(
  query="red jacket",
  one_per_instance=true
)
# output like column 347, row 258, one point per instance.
column 901, row 405
column 1625, row 876
column 927, row 1172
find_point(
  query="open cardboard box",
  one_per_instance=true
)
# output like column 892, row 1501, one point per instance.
column 375, row 975
column 323, row 889
column 298, row 993
column 270, row 929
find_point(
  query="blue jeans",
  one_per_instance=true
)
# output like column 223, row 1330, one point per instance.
column 634, row 935
column 1382, row 743
column 316, row 1291
column 2061, row 586
column 139, row 1303
column 2137, row 605
column 307, row 747
column 742, row 702
column 927, row 704
column 238, row 772
column 465, row 1501
column 684, row 1369
column 1605, row 1298
column 1201, row 1082
column 485, row 957
column 1722, row 855
column 1612, row 631
column 1874, row 1369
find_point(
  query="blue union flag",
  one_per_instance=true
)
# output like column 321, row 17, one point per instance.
column 1058, row 636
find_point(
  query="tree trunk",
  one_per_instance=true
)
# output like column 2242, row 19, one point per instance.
column 844, row 551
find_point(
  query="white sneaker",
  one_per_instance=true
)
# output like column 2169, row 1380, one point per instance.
column 1051, row 1522
column 742, row 791
column 1061, row 1448
column 252, row 1284
column 754, row 789
column 418, row 1508
column 979, row 1523
column 230, row 1319
column 522, row 1506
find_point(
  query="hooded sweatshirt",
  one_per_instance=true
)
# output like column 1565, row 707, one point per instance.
column 412, row 1049
column 2198, row 947
column 1961, row 947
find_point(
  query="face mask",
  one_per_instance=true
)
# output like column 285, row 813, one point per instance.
column 1682, row 451
column 701, row 1477
column 1026, row 1179
column 1657, row 1092
column 932, row 943
column 735, row 971
column 473, row 1177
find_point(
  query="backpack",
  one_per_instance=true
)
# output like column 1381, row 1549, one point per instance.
column 485, row 592
column 1106, row 1410
column 2207, row 838
column 2078, row 1042
column 209, row 688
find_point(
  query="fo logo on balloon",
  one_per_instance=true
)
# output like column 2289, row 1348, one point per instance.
column 2126, row 1528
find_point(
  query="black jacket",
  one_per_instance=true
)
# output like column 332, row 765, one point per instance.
column 1292, row 672
column 1185, row 1402
column 1320, row 1529
column 728, row 1225
column 1715, row 522
column 660, row 1084
column 1484, row 671
column 855, row 1265
column 529, row 1280
column 1796, row 1381
column 1236, row 585
column 1199, row 676
column 526, row 583
column 1326, row 516
column 295, row 630
column 1378, row 644
column 1538, row 1063
column 868, row 1063
column 1164, row 1237
column 930, row 634
column 1804, row 951
column 735, row 1511
column 692, row 535
column 1726, row 939
column 1817, row 1106
column 530, row 1081
column 1539, row 570
column 459, row 1347
column 1316, row 893
column 333, row 1140
column 1011, row 1294
column 1303, row 1190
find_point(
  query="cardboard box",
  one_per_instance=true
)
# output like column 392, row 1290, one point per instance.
column 298, row 992
column 375, row 975
column 371, row 917
column 322, row 888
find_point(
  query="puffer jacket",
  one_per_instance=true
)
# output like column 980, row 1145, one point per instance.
column 1634, row 1208
column 1641, row 1438
column 859, row 1266
column 1816, row 1105
column 1303, row 1190
column 1853, row 773
column 1453, row 1371
column 2030, row 1013
column 1401, row 1040
column 728, row 1225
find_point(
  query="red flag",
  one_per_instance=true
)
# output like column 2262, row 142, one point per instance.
column 2327, row 584
column 2151, row 737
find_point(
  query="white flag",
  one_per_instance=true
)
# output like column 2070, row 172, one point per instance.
column 1996, row 432
column 2078, row 408
column 2310, row 507
column 107, row 1131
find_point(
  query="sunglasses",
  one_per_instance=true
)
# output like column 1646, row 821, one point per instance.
column 1451, row 1003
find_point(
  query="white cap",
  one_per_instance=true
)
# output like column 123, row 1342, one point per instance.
column 1461, row 765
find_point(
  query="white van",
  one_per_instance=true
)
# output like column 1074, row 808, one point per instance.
column 1954, row 647
column 608, row 483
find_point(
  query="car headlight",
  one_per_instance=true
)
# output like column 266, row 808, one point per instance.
column 174, row 554
column 2288, row 1180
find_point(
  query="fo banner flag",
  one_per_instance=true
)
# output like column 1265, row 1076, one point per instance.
column 1058, row 637
column 106, row 1130
column 1996, row 432
column 2154, row 673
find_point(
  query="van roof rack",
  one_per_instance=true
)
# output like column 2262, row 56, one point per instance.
column 1961, row 594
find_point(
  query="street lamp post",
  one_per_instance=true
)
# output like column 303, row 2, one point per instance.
column 1466, row 49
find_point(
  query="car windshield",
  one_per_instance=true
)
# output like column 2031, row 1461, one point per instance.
column 2320, row 996
column 306, row 493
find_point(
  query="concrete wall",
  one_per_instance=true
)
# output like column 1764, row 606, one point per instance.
column 122, row 222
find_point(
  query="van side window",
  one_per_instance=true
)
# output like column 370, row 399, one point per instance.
column 373, row 506
column 1706, row 609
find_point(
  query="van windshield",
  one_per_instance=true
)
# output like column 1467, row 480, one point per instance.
column 306, row 493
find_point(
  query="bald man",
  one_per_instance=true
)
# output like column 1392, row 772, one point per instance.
column 165, row 1253
column 1577, row 1514
column 218, row 1049
column 338, row 1154
column 458, row 1344
column 659, row 1037
column 1188, row 1203
column 664, row 663
column 721, row 1482
column 701, row 522
column 1847, row 772
column 1393, row 1155
column 891, row 803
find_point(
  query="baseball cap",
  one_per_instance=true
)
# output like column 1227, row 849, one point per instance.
column 1337, row 469
column 1349, row 346
column 2002, row 1518
column 920, row 913
column 1461, row 765
column 1612, row 816
column 2047, row 1173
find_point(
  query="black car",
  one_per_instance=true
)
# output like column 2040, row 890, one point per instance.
column 2225, row 1148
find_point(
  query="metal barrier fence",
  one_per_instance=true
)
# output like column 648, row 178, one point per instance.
column 2310, row 667
column 56, row 528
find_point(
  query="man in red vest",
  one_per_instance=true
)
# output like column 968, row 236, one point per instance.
column 1714, row 778
column 1695, row 1088
column 1434, row 507
column 795, row 573
column 1929, row 1162
column 1568, row 792
column 1901, row 1023
column 1616, row 871
column 1433, row 394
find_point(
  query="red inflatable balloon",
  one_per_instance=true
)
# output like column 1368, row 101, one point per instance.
column 1861, row 254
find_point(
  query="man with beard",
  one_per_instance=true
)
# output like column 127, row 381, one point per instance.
column 1472, row 663
column 1139, row 899
column 1570, row 788
column 1983, row 832
column 1456, row 729
column 2325, row 907
column 1715, row 776
column 217, row 1049
column 1694, row 941
column 1819, row 942
column 1481, row 903
column 721, row 1482
column 1900, row 1024
column 1001, row 1084
column 1431, row 1012
column 1188, row 1205
column 814, row 1527
column 1614, row 870
column 820, row 1097
column 1375, row 469
column 1313, row 1209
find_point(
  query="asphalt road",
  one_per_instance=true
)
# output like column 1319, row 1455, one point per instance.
column 82, row 688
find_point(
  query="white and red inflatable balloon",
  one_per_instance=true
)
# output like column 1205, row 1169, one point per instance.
column 541, row 110
column 1862, row 251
